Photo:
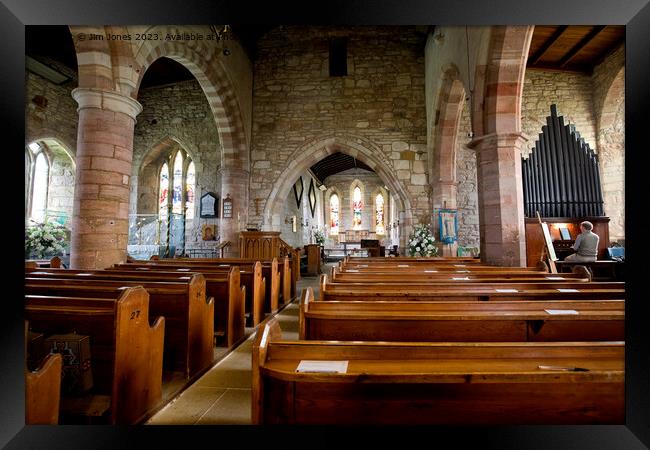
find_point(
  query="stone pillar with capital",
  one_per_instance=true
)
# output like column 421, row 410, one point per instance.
column 234, row 182
column 100, row 222
column 500, row 198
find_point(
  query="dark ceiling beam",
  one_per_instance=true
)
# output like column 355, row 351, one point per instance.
column 549, row 42
column 580, row 45
column 609, row 50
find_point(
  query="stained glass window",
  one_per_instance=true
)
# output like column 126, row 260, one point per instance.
column 357, row 206
column 189, row 191
column 177, row 180
column 164, row 190
column 39, row 192
column 334, row 214
column 380, row 228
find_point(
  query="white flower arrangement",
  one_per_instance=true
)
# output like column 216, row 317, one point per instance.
column 422, row 242
column 45, row 240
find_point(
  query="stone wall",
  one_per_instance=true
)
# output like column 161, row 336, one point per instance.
column 381, row 100
column 50, row 111
column 175, row 115
column 342, row 184
column 609, row 104
column 571, row 92
column 305, row 222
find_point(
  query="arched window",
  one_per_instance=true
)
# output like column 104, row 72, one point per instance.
column 189, row 191
column 163, row 199
column 334, row 214
column 380, row 227
column 179, row 183
column 177, row 202
column 39, row 189
column 357, row 208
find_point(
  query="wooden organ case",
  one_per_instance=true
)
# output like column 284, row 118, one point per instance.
column 561, row 180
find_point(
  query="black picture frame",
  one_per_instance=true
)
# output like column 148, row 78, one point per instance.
column 311, row 194
column 298, row 189
column 14, row 15
column 209, row 206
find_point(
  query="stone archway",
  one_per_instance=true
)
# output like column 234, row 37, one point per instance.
column 312, row 152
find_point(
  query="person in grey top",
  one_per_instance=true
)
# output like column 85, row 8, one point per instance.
column 586, row 245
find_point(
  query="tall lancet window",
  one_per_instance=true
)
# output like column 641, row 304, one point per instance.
column 380, row 228
column 189, row 190
column 39, row 192
column 357, row 208
column 177, row 202
column 334, row 214
column 163, row 198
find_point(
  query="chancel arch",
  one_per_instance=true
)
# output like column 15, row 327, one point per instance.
column 318, row 149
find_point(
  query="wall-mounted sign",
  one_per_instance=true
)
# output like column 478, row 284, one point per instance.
column 227, row 207
column 209, row 206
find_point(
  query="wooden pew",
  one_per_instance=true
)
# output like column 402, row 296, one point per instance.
column 460, row 290
column 412, row 259
column 224, row 286
column 126, row 351
column 437, row 383
column 263, row 289
column 513, row 321
column 54, row 262
column 269, row 268
column 250, row 277
column 396, row 276
column 182, row 301
column 43, row 392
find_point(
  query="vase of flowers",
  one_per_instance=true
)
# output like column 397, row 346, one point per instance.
column 422, row 242
column 319, row 237
column 45, row 240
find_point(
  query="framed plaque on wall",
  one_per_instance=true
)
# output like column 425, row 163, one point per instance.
column 209, row 206
column 227, row 207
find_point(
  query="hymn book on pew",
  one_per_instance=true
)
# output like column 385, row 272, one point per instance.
column 561, row 311
column 311, row 366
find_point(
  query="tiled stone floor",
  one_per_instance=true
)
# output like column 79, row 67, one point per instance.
column 223, row 395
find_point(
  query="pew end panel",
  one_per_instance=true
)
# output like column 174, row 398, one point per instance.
column 305, row 299
column 43, row 392
column 286, row 281
column 268, row 331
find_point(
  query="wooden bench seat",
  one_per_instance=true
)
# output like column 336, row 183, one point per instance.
column 189, row 316
column 226, row 289
column 43, row 392
column 262, row 293
column 126, row 351
column 462, row 275
column 437, row 383
column 250, row 277
column 515, row 321
column 54, row 262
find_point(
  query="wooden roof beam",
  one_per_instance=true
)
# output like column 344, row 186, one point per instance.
column 581, row 44
column 548, row 44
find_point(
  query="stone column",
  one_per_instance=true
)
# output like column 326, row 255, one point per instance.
column 500, row 199
column 100, row 223
column 235, row 183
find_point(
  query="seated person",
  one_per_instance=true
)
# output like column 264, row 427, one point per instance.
column 586, row 245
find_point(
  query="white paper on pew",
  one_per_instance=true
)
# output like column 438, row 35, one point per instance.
column 402, row 265
column 141, row 268
column 460, row 265
column 462, row 271
column 364, row 265
column 555, row 278
column 561, row 311
column 431, row 271
column 568, row 290
column 224, row 265
column 460, row 278
column 322, row 366
column 185, row 269
column 41, row 273
column 184, row 278
column 84, row 274
column 351, row 270
column 506, row 290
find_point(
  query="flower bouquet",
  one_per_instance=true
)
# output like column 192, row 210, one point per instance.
column 422, row 242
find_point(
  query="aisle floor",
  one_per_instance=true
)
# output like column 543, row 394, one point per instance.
column 223, row 395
